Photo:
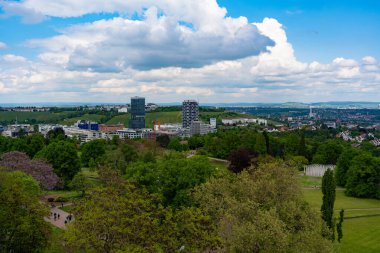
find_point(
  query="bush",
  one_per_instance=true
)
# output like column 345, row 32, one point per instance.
column 61, row 199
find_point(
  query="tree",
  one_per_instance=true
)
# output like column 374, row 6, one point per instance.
column 130, row 153
column 240, row 159
column 328, row 200
column 302, row 150
column 56, row 134
column 163, row 140
column 35, row 143
column 172, row 178
column 339, row 229
column 39, row 170
column 260, row 144
column 80, row 183
column 328, row 153
column 22, row 227
column 131, row 221
column 343, row 165
column 92, row 149
column 262, row 210
column 64, row 158
column 363, row 177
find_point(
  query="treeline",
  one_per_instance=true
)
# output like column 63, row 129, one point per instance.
column 358, row 168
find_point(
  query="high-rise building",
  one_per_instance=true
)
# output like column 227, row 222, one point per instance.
column 190, row 112
column 137, row 113
column 213, row 122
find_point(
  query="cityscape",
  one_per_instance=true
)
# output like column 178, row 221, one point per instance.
column 189, row 126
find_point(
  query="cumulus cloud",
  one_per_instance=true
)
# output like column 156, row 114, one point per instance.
column 3, row 45
column 13, row 58
column 175, row 50
column 156, row 41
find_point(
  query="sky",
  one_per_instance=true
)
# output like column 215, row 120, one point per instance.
column 213, row 51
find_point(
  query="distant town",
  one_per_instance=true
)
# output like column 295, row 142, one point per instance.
column 352, row 124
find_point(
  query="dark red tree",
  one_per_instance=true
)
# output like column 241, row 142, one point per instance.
column 240, row 159
column 38, row 169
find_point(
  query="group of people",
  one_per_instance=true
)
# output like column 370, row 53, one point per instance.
column 57, row 216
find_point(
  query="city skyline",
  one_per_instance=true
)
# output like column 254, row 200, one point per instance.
column 210, row 51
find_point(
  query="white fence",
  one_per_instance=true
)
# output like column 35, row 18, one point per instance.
column 317, row 170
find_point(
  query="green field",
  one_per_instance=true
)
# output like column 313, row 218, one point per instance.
column 361, row 227
column 30, row 117
column 164, row 117
column 89, row 117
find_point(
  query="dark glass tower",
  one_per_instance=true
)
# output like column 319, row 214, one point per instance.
column 190, row 112
column 137, row 113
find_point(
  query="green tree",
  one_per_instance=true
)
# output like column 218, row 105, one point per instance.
column 260, row 144
column 22, row 227
column 36, row 142
column 363, row 177
column 92, row 149
column 343, row 165
column 64, row 158
column 262, row 210
column 302, row 149
column 131, row 221
column 80, row 183
column 130, row 153
column 339, row 226
column 328, row 200
column 172, row 177
column 328, row 153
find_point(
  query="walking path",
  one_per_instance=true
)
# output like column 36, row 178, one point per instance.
column 60, row 223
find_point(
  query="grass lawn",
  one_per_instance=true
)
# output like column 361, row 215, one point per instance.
column 67, row 208
column 55, row 241
column 314, row 197
column 66, row 194
column 308, row 181
column 361, row 234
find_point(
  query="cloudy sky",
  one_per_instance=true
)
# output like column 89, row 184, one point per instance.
column 212, row 51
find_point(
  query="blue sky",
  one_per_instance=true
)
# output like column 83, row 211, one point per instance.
column 280, row 51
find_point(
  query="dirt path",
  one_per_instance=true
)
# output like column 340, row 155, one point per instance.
column 58, row 222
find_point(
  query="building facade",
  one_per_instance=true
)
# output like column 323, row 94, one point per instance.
column 190, row 112
column 137, row 113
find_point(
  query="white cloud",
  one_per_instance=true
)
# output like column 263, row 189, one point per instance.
column 13, row 58
column 157, row 41
column 176, row 50
column 3, row 45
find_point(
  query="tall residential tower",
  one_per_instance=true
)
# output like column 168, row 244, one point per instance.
column 190, row 112
column 137, row 113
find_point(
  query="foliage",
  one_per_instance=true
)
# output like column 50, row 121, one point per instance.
column 131, row 221
column 22, row 228
column 39, row 170
column 343, row 165
column 240, row 159
column 262, row 210
column 363, row 177
column 177, row 145
column 172, row 177
column 92, row 149
column 299, row 162
column 328, row 153
column 64, row 158
column 163, row 140
column 328, row 200
column 339, row 229
column 80, row 183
